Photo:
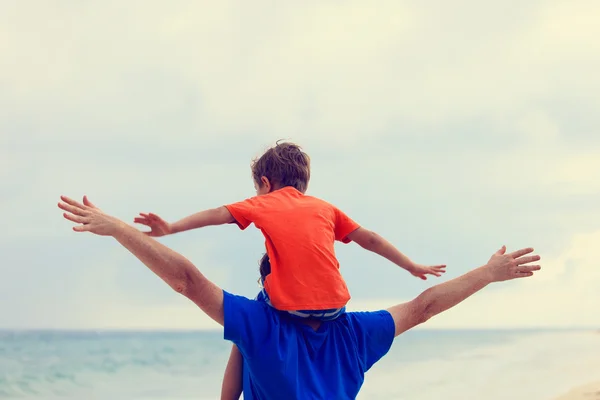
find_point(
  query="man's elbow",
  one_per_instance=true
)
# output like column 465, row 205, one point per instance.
column 424, row 309
column 409, row 315
column 421, row 317
column 426, row 315
column 182, row 284
column 179, row 286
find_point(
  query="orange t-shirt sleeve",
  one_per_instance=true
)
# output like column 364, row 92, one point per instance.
column 243, row 212
column 344, row 226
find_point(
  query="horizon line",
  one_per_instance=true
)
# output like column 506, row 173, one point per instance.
column 191, row 330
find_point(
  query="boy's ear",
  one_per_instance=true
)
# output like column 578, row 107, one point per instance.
column 266, row 183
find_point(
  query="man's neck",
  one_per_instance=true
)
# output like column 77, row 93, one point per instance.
column 313, row 323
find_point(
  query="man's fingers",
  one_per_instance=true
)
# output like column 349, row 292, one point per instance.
column 88, row 203
column 72, row 202
column 76, row 218
column 145, row 215
column 528, row 268
column 71, row 209
column 82, row 228
column 524, row 274
column 501, row 251
column 522, row 252
column 526, row 260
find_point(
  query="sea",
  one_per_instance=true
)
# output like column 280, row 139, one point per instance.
column 422, row 365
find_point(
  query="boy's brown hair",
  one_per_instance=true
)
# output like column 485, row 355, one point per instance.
column 284, row 164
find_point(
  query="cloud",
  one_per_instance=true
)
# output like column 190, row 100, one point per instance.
column 228, row 69
column 448, row 128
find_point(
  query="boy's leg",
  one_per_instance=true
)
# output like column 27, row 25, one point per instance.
column 320, row 315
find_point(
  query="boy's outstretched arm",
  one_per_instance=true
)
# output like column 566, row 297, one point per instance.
column 371, row 241
column 232, row 381
column 160, row 227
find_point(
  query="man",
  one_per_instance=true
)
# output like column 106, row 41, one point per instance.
column 284, row 358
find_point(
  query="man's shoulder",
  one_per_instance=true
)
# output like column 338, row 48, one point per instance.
column 373, row 333
column 364, row 324
column 242, row 314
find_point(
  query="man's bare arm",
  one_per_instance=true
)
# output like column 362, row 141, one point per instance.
column 441, row 297
column 232, row 381
column 176, row 270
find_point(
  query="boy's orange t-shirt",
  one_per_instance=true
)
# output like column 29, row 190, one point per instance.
column 300, row 232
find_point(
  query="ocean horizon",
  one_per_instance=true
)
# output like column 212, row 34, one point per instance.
column 423, row 364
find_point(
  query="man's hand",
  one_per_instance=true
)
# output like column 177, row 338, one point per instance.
column 90, row 217
column 503, row 267
column 158, row 226
column 421, row 271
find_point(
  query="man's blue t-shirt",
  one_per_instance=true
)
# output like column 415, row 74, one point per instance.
column 285, row 359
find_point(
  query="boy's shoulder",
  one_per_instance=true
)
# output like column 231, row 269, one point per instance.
column 317, row 201
column 291, row 192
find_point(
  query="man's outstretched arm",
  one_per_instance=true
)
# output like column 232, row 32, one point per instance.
column 176, row 270
column 439, row 298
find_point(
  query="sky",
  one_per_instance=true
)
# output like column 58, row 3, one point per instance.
column 450, row 128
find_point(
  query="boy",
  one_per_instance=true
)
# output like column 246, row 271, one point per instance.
column 299, row 231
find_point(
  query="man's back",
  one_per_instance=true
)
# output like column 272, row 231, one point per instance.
column 292, row 360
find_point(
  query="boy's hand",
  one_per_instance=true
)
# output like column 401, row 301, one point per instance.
column 158, row 226
column 420, row 271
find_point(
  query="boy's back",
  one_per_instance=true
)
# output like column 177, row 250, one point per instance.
column 299, row 233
